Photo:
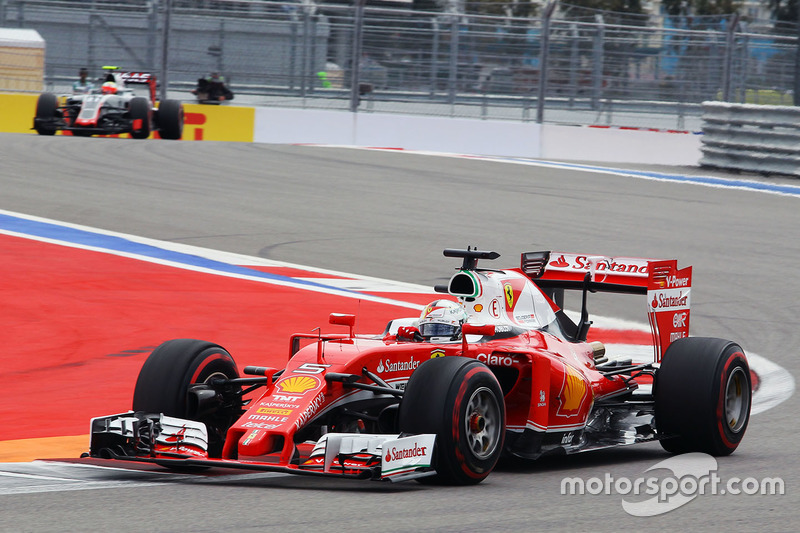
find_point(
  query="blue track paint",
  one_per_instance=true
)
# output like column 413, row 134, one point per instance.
column 728, row 183
column 111, row 243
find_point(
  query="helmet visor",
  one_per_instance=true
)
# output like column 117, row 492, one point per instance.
column 437, row 330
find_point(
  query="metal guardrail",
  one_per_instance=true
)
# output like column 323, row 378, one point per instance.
column 754, row 138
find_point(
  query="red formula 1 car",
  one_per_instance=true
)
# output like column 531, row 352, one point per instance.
column 110, row 109
column 498, row 369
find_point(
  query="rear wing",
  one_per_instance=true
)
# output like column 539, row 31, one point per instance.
column 667, row 288
column 141, row 78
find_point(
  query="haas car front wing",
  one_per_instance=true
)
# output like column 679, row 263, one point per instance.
column 174, row 442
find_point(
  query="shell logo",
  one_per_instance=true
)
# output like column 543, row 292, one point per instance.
column 573, row 392
column 298, row 384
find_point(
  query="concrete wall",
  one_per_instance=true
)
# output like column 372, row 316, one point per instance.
column 435, row 134
column 476, row 137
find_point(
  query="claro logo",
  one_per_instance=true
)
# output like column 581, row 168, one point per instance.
column 496, row 359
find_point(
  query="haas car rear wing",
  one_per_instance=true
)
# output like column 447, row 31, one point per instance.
column 141, row 78
column 667, row 288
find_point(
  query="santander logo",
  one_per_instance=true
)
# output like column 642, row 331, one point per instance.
column 396, row 454
column 661, row 300
column 619, row 265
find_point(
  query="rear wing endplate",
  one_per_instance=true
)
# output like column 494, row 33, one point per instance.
column 667, row 288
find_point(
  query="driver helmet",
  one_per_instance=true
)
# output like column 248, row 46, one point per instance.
column 109, row 87
column 442, row 318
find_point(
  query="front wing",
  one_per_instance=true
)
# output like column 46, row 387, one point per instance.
column 178, row 443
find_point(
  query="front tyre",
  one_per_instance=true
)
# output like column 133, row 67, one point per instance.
column 460, row 400
column 170, row 119
column 46, row 114
column 165, row 377
column 703, row 394
column 139, row 112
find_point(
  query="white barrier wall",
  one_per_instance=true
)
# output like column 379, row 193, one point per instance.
column 611, row 145
column 475, row 137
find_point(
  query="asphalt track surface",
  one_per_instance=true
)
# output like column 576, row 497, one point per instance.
column 389, row 215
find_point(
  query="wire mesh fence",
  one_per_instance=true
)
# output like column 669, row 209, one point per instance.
column 555, row 64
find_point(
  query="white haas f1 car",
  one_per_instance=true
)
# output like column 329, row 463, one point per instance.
column 111, row 109
column 498, row 369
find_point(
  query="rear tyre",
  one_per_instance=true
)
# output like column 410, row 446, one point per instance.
column 460, row 400
column 170, row 119
column 163, row 385
column 139, row 112
column 703, row 394
column 46, row 108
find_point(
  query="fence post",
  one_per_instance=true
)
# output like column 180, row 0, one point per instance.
column 544, row 52
column 452, row 77
column 293, row 23
column 152, row 30
column 730, row 44
column 165, row 49
column 355, row 62
column 435, row 57
column 304, row 68
column 796, row 95
column 745, row 62
column 597, row 61
column 220, row 52
column 574, row 63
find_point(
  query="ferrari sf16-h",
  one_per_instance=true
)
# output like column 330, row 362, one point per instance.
column 494, row 368
column 111, row 109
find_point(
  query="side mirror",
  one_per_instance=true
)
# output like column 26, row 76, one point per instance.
column 478, row 329
column 474, row 329
column 342, row 319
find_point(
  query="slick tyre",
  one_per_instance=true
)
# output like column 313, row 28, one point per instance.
column 165, row 377
column 459, row 400
column 170, row 119
column 703, row 394
column 46, row 108
column 139, row 112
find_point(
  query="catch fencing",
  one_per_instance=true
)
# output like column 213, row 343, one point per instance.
column 561, row 65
